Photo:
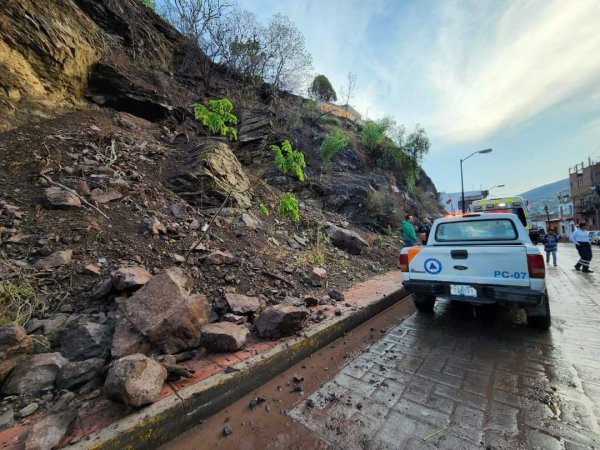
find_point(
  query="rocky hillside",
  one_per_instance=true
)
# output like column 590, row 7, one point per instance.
column 126, row 228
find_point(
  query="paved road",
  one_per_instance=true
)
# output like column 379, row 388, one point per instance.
column 456, row 380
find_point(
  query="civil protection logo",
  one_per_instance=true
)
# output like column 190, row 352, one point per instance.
column 432, row 266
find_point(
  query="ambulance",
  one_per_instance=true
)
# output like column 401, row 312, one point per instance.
column 514, row 205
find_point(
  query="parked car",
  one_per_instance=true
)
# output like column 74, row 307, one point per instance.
column 595, row 237
column 478, row 259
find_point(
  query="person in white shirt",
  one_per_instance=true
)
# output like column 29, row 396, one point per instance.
column 581, row 238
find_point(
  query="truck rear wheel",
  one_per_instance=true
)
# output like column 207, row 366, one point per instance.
column 424, row 303
column 543, row 321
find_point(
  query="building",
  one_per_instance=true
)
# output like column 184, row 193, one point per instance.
column 585, row 193
column 345, row 111
column 452, row 201
column 565, row 213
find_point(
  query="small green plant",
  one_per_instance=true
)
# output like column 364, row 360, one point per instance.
column 289, row 206
column 150, row 4
column 372, row 136
column 264, row 210
column 333, row 143
column 217, row 117
column 18, row 302
column 375, row 200
column 316, row 257
column 289, row 160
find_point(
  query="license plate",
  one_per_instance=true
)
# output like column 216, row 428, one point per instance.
column 462, row 290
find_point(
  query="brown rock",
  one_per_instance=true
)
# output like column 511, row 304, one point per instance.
column 135, row 380
column 127, row 340
column 13, row 341
column 242, row 304
column 318, row 276
column 81, row 187
column 249, row 221
column 34, row 374
column 127, row 278
column 224, row 336
column 156, row 227
column 347, row 240
column 280, row 320
column 166, row 314
column 56, row 259
column 234, row 318
column 218, row 258
column 49, row 431
column 100, row 196
column 92, row 269
column 60, row 197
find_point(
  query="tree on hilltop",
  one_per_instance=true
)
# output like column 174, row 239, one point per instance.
column 321, row 89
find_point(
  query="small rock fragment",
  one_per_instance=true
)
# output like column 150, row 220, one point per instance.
column 127, row 278
column 218, row 258
column 56, row 196
column 100, row 196
column 224, row 336
column 336, row 295
column 49, row 431
column 92, row 269
column 28, row 410
column 318, row 276
column 56, row 259
column 227, row 430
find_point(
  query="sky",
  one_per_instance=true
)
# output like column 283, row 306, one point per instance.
column 520, row 77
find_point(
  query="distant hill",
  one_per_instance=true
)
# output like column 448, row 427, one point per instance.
column 545, row 195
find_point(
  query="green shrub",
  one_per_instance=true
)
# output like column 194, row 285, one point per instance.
column 264, row 210
column 289, row 206
column 375, row 201
column 289, row 160
column 330, row 119
column 321, row 89
column 217, row 117
column 150, row 4
column 333, row 143
column 18, row 302
column 372, row 137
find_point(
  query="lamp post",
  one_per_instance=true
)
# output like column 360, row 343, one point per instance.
column 494, row 187
column 462, row 185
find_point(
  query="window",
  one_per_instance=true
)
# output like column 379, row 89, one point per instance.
column 579, row 182
column 476, row 230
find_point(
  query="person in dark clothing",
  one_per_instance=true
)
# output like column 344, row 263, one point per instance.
column 581, row 239
column 424, row 230
column 551, row 246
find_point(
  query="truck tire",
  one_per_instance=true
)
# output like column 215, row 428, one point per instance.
column 424, row 303
column 541, row 322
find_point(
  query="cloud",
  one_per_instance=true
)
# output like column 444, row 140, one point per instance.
column 495, row 69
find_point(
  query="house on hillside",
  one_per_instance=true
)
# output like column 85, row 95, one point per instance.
column 585, row 193
column 345, row 111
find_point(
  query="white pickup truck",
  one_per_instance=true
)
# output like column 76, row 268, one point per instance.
column 479, row 259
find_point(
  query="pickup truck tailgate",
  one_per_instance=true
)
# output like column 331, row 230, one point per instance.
column 502, row 264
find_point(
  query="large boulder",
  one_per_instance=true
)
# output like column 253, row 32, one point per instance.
column 49, row 431
column 212, row 173
column 127, row 339
column 135, row 380
column 82, row 340
column 345, row 239
column 242, row 304
column 224, row 336
column 35, row 374
column 166, row 314
column 77, row 373
column 280, row 320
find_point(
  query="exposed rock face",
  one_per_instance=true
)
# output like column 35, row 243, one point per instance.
column 14, row 341
column 129, row 278
column 212, row 170
column 165, row 313
column 49, row 431
column 135, row 380
column 345, row 239
column 83, row 340
column 224, row 336
column 242, row 304
column 280, row 320
column 50, row 65
column 35, row 374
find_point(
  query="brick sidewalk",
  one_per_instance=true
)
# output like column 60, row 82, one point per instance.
column 454, row 381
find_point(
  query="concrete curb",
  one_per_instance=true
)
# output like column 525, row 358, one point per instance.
column 162, row 421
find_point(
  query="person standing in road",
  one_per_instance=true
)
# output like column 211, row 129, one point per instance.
column 408, row 231
column 424, row 230
column 581, row 238
column 551, row 246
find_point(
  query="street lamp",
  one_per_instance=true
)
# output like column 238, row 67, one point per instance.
column 494, row 187
column 462, row 186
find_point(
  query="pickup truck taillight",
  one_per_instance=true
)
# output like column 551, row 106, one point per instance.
column 403, row 263
column 537, row 268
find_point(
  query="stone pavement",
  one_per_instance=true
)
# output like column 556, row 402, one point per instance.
column 461, row 380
